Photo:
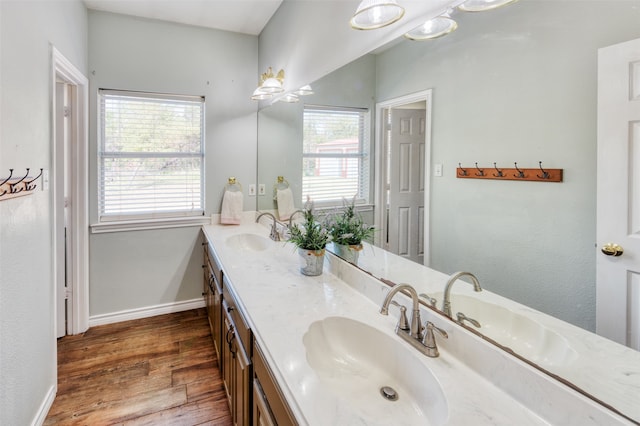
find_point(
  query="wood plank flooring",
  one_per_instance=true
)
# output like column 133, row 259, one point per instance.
column 153, row 371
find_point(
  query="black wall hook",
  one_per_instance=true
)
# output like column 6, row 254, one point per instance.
column 12, row 185
column 499, row 174
column 28, row 185
column 463, row 172
column 545, row 174
column 480, row 172
column 520, row 172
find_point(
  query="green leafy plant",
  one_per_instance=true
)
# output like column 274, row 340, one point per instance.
column 312, row 235
column 348, row 228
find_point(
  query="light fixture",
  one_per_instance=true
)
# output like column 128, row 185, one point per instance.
column 269, row 85
column 482, row 5
column 433, row 28
column 259, row 95
column 372, row 14
column 289, row 97
column 304, row 91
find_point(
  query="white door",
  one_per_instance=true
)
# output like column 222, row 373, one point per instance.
column 618, row 210
column 406, row 183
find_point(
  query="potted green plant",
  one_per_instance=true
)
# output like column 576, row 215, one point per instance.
column 348, row 231
column 311, row 238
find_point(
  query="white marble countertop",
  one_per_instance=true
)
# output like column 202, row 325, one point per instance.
column 607, row 370
column 280, row 304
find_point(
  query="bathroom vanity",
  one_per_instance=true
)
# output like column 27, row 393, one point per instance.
column 316, row 350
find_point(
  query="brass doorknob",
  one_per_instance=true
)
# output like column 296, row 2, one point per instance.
column 611, row 249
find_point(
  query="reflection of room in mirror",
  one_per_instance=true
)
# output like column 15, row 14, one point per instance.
column 516, row 84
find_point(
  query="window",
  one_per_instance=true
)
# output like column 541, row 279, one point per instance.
column 151, row 156
column 335, row 162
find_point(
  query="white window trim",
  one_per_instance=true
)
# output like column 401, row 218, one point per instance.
column 152, row 220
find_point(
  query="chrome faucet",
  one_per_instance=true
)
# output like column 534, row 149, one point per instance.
column 414, row 329
column 446, row 302
column 274, row 228
column 425, row 343
column 291, row 217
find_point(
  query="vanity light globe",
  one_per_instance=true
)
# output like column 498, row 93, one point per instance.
column 372, row 14
column 483, row 5
column 433, row 28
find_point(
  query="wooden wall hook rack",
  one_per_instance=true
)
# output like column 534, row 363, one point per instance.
column 538, row 174
column 12, row 187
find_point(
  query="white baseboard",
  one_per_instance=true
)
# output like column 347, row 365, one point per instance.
column 47, row 402
column 149, row 311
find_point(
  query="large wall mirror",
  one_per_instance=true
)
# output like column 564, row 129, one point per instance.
column 518, row 84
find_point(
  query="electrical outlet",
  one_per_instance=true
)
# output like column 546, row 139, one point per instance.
column 262, row 189
column 252, row 190
column 437, row 170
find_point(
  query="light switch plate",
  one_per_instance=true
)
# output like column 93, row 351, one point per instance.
column 252, row 190
column 262, row 189
column 437, row 169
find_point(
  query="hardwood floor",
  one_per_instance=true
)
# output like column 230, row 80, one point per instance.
column 153, row 371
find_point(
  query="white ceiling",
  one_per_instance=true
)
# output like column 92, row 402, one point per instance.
column 241, row 16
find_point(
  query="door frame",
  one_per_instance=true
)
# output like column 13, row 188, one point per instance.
column 78, row 303
column 381, row 160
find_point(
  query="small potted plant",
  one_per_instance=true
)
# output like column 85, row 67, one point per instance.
column 348, row 230
column 311, row 237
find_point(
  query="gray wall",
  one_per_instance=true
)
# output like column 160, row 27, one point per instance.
column 27, row 338
column 137, row 269
column 517, row 85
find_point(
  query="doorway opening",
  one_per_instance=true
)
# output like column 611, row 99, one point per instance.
column 69, row 177
column 403, row 153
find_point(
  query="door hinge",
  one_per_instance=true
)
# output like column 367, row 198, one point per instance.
column 66, row 111
column 67, row 293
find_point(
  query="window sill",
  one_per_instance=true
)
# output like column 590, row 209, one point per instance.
column 146, row 224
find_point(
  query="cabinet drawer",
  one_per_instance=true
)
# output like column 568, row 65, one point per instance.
column 271, row 391
column 242, row 329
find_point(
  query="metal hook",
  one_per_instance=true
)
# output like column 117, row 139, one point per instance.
column 545, row 174
column 28, row 185
column 5, row 181
column 481, row 171
column 463, row 171
column 500, row 174
column 520, row 172
column 12, row 185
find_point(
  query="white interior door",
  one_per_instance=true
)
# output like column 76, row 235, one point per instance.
column 618, row 211
column 407, row 183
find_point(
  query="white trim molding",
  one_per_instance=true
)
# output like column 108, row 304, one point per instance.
column 139, row 225
column 63, row 70
column 43, row 410
column 146, row 312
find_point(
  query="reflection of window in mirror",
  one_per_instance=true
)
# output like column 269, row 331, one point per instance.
column 335, row 160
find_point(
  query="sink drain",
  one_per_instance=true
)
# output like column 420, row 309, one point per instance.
column 389, row 393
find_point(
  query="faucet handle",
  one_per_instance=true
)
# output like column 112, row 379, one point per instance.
column 432, row 301
column 403, row 322
column 429, row 338
column 462, row 318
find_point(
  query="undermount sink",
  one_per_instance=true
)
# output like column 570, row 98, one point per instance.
column 251, row 242
column 368, row 369
column 521, row 334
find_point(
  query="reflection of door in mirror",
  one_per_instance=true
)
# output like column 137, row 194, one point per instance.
column 405, row 139
column 618, row 271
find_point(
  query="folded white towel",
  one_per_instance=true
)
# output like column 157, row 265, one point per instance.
column 231, row 208
column 285, row 203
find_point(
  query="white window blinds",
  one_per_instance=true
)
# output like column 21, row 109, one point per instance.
column 151, row 155
column 335, row 162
